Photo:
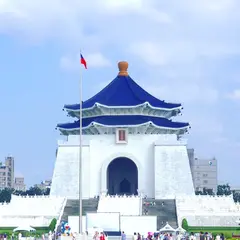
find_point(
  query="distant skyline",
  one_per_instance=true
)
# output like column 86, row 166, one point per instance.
column 179, row 51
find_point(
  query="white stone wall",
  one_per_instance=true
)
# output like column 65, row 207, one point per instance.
column 65, row 181
column 207, row 210
column 99, row 151
column 172, row 171
column 31, row 210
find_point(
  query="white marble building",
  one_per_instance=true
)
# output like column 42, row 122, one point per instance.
column 161, row 163
column 130, row 146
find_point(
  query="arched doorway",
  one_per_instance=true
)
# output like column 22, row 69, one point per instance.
column 122, row 177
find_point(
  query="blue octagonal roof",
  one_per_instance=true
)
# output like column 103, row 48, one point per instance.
column 123, row 91
column 126, row 120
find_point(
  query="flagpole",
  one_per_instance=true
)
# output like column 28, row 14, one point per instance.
column 80, row 152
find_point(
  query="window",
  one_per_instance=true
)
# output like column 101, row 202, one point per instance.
column 121, row 136
column 205, row 181
column 205, row 175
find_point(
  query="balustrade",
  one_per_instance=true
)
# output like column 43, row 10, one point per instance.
column 30, row 210
column 208, row 210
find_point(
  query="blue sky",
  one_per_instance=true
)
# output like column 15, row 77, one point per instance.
column 180, row 51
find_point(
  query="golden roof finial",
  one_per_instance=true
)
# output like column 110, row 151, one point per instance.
column 123, row 67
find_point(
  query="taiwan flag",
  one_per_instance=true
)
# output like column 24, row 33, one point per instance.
column 83, row 61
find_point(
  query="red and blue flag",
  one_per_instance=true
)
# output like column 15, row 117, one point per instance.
column 83, row 61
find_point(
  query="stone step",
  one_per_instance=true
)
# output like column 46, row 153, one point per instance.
column 165, row 213
column 72, row 207
column 165, row 210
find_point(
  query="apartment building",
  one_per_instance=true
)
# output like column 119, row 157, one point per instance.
column 204, row 172
column 7, row 178
column 7, row 173
column 44, row 184
column 19, row 184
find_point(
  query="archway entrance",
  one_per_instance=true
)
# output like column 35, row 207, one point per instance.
column 122, row 177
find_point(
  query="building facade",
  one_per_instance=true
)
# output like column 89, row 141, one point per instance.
column 7, row 178
column 19, row 184
column 44, row 184
column 130, row 145
column 204, row 172
column 7, row 173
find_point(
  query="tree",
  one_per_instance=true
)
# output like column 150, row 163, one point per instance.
column 205, row 191
column 236, row 196
column 47, row 191
column 5, row 195
column 224, row 189
column 198, row 192
column 34, row 191
column 53, row 224
column 185, row 224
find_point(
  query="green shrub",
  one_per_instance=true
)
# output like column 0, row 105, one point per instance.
column 53, row 224
column 39, row 231
column 185, row 224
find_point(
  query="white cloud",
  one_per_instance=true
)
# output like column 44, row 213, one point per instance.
column 184, row 92
column 97, row 60
column 150, row 53
column 160, row 53
column 235, row 95
column 138, row 7
column 180, row 51
column 69, row 64
column 44, row 19
column 121, row 5
column 73, row 24
column 215, row 5
column 203, row 125
column 180, row 39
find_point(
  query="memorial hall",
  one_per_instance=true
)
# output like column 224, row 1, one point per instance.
column 132, row 167
column 136, row 173
column 131, row 145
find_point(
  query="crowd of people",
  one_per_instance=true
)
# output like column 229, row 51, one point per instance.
column 100, row 236
column 154, row 236
column 174, row 236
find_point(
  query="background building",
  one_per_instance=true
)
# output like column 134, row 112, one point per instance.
column 19, row 184
column 204, row 172
column 44, row 184
column 7, row 178
column 7, row 173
